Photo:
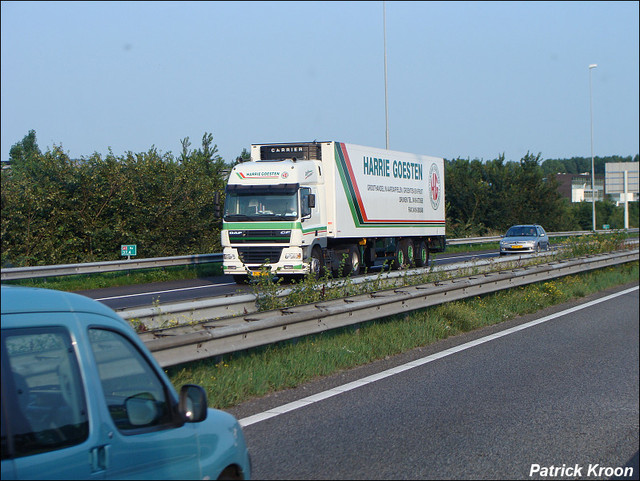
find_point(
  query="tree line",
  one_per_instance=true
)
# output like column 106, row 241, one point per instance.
column 485, row 198
column 58, row 210
column 580, row 165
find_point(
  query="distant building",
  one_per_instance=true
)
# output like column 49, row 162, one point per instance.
column 577, row 187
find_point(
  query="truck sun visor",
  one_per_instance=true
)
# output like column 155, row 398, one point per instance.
column 263, row 189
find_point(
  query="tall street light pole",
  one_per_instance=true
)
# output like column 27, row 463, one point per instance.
column 593, row 171
column 386, row 98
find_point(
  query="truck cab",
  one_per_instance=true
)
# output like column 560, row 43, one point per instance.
column 272, row 217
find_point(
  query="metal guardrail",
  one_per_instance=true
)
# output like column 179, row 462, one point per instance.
column 185, row 312
column 17, row 273
column 214, row 338
column 481, row 240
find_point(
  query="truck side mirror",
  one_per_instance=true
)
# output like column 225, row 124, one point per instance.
column 311, row 200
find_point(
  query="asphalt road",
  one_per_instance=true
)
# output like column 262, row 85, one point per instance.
column 559, row 393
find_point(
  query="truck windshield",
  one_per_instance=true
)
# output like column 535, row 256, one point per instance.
column 261, row 206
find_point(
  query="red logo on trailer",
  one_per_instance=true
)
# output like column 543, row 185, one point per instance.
column 434, row 181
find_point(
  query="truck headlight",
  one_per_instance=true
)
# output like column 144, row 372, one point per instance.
column 228, row 257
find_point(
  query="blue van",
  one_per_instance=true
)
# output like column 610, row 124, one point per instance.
column 83, row 398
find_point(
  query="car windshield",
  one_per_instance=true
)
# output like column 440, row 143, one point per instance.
column 521, row 231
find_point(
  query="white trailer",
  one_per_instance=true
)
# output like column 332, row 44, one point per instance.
column 312, row 206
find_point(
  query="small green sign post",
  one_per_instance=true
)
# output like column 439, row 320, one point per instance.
column 128, row 250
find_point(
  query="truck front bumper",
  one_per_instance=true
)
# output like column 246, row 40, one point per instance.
column 290, row 262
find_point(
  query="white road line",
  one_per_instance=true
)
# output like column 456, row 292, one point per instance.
column 203, row 287
column 256, row 418
column 165, row 292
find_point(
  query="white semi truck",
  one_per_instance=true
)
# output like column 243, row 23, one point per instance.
column 321, row 207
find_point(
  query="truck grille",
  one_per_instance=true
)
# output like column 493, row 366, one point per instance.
column 260, row 236
column 259, row 255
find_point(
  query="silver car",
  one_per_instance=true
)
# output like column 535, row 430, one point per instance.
column 524, row 238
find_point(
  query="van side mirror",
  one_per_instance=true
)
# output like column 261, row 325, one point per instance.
column 193, row 403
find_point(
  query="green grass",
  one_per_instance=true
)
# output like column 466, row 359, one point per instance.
column 462, row 248
column 241, row 376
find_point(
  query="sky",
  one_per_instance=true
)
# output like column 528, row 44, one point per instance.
column 464, row 79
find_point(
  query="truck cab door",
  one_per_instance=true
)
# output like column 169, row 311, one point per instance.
column 311, row 212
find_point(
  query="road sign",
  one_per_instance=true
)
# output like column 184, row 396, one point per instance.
column 128, row 250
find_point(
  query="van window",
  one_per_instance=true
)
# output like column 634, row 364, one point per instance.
column 43, row 391
column 135, row 395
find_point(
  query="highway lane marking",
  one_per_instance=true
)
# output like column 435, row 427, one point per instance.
column 292, row 406
column 164, row 292
column 469, row 255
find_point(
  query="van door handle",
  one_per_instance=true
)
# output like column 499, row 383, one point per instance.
column 99, row 458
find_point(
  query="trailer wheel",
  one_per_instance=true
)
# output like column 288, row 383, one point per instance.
column 411, row 254
column 421, row 258
column 404, row 253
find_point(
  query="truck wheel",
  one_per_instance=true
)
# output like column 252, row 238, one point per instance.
column 421, row 258
column 353, row 263
column 317, row 265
